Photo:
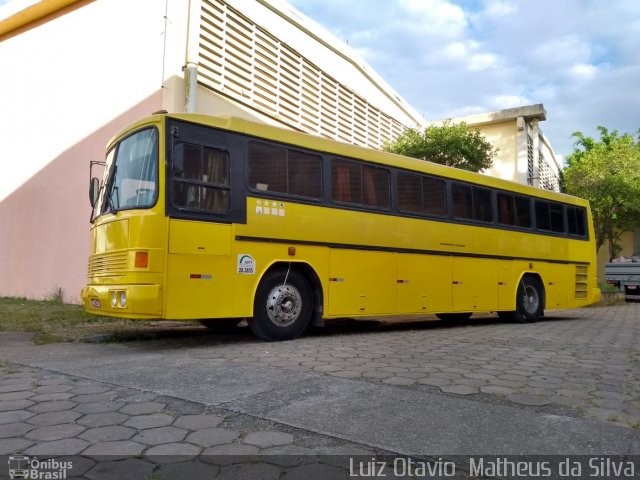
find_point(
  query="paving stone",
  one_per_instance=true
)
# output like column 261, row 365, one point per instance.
column 20, row 404
column 54, row 418
column 130, row 469
column 9, row 446
column 116, row 449
column 98, row 407
column 268, row 439
column 346, row 374
column 19, row 387
column 399, row 381
column 526, row 399
column 460, row 389
column 209, row 437
column 54, row 381
column 89, row 389
column 244, row 471
column 229, row 453
column 142, row 408
column 21, row 395
column 321, row 471
column 55, row 432
column 55, row 406
column 67, row 446
column 157, row 436
column 378, row 375
column 497, row 390
column 14, row 416
column 438, row 382
column 8, row 430
column 47, row 397
column 188, row 470
column 53, row 389
column 95, row 397
column 197, row 422
column 149, row 421
column 167, row 452
column 108, row 434
column 103, row 419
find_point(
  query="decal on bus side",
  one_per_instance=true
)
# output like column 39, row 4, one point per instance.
column 246, row 264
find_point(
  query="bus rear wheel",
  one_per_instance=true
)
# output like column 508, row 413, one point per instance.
column 529, row 302
column 282, row 307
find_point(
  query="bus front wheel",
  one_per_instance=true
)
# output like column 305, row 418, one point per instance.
column 282, row 307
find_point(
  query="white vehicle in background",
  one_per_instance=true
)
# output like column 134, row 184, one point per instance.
column 624, row 273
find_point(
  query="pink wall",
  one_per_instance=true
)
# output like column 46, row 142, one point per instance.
column 44, row 224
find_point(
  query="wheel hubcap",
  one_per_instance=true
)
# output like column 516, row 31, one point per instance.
column 531, row 300
column 284, row 305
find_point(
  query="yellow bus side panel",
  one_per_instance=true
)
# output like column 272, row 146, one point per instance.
column 475, row 284
column 361, row 282
column 424, row 283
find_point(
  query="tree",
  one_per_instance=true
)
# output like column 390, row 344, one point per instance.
column 607, row 173
column 455, row 145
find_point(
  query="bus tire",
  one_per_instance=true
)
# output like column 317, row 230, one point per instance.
column 281, row 311
column 529, row 300
column 454, row 317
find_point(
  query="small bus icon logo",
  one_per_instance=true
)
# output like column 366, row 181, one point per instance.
column 18, row 466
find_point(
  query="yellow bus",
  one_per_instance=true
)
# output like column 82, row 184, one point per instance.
column 205, row 218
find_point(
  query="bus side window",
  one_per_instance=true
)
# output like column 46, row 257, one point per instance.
column 523, row 212
column 505, row 209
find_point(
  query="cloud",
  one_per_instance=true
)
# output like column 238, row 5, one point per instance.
column 449, row 58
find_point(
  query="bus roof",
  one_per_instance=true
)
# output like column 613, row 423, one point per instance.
column 326, row 145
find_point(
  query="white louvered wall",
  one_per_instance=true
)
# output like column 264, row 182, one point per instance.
column 243, row 61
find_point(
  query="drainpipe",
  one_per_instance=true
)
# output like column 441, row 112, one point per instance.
column 191, row 57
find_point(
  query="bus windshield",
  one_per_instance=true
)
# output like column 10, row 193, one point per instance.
column 131, row 174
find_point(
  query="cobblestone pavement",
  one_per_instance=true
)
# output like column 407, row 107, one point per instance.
column 110, row 432
column 585, row 363
column 587, row 360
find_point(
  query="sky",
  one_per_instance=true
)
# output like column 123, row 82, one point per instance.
column 450, row 58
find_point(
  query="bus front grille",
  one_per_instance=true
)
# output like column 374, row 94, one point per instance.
column 108, row 265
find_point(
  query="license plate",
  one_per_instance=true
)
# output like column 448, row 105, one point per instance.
column 95, row 303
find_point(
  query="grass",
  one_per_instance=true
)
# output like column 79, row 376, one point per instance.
column 53, row 321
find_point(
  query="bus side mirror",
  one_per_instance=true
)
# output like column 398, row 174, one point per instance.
column 94, row 190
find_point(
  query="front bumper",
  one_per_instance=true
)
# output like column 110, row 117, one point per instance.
column 124, row 301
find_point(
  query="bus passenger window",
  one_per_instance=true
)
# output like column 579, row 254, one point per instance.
column 505, row 209
column 304, row 174
column 410, row 193
column 462, row 201
column 557, row 217
column 267, row 168
column 543, row 220
column 200, row 180
column 375, row 187
column 346, row 182
column 482, row 210
column 523, row 212
column 434, row 197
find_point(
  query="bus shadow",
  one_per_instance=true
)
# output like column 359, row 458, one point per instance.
column 180, row 336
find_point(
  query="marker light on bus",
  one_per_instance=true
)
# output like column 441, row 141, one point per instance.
column 123, row 299
column 141, row 260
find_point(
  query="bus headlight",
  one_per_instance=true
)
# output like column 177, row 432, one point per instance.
column 113, row 299
column 123, row 299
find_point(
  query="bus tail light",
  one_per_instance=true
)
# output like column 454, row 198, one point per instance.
column 141, row 260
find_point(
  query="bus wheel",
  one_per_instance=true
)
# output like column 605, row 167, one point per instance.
column 529, row 301
column 454, row 317
column 282, row 307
